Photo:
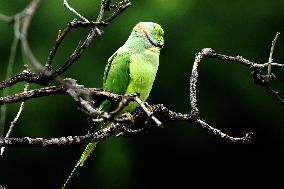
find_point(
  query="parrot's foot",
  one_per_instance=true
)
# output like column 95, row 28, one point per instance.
column 128, row 116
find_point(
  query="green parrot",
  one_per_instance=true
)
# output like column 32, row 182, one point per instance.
column 131, row 69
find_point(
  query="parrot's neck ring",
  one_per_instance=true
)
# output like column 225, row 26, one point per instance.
column 154, row 43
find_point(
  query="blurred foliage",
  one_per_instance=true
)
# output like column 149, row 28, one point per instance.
column 180, row 154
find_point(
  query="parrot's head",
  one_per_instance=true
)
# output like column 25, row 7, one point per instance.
column 152, row 32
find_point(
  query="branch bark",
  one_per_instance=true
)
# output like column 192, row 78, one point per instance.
column 21, row 97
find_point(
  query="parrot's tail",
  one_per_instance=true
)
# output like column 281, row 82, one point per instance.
column 87, row 152
column 89, row 148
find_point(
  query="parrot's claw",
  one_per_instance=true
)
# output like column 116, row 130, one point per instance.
column 128, row 116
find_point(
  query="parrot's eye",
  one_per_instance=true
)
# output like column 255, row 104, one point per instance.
column 160, row 33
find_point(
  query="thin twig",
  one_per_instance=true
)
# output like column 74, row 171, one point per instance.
column 54, row 49
column 219, row 133
column 147, row 111
column 6, row 18
column 77, row 24
column 120, row 9
column 270, row 60
column 65, row 3
column 210, row 53
column 161, row 109
column 72, row 59
column 12, row 124
column 102, row 11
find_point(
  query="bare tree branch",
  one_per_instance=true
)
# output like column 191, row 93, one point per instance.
column 70, row 140
column 117, row 128
column 26, row 76
column 21, row 97
column 255, row 67
column 197, row 121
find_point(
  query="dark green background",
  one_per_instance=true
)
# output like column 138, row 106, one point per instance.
column 181, row 154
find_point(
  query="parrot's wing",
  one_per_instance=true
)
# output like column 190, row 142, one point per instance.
column 116, row 76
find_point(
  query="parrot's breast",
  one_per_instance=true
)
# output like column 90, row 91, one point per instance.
column 142, row 70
